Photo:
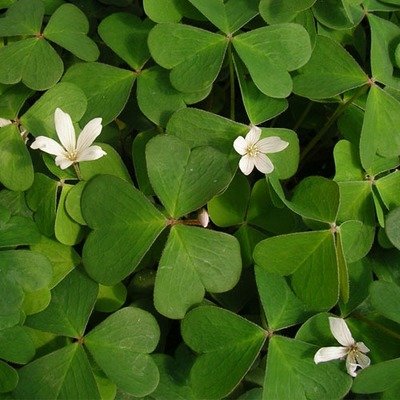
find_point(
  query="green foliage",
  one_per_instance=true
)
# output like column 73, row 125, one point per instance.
column 130, row 223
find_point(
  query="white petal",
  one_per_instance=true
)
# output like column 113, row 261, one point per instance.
column 63, row 162
column 341, row 332
column 263, row 163
column 362, row 347
column 65, row 130
column 240, row 145
column 246, row 164
column 48, row 146
column 272, row 144
column 203, row 217
column 362, row 360
column 90, row 154
column 329, row 353
column 351, row 367
column 89, row 134
column 253, row 135
column 4, row 122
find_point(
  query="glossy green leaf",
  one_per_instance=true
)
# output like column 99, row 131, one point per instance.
column 8, row 377
column 63, row 258
column 67, row 230
column 39, row 119
column 106, row 97
column 270, row 52
column 229, row 16
column 259, row 107
column 380, row 132
column 385, row 298
column 23, row 17
column 68, row 369
column 378, row 377
column 157, row 98
column 330, row 71
column 17, row 59
column 338, row 14
column 194, row 258
column 383, row 34
column 127, row 35
column 113, row 209
column 277, row 11
column 111, row 164
column 317, row 198
column 16, row 170
column 16, row 230
column 16, row 345
column 388, row 189
column 110, row 298
column 230, row 207
column 168, row 11
column 228, row 345
column 281, row 306
column 23, row 272
column 68, row 27
column 120, row 346
column 73, row 202
column 190, row 178
column 12, row 99
column 292, row 373
column 41, row 198
column 194, row 55
column 310, row 257
column 72, row 302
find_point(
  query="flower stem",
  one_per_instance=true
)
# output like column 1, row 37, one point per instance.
column 339, row 111
column 77, row 171
column 231, row 82
column 303, row 116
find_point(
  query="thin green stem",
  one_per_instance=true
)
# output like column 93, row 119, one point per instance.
column 231, row 82
column 339, row 111
column 303, row 116
column 77, row 171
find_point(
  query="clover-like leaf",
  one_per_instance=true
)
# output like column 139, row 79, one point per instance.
column 271, row 52
column 227, row 345
column 106, row 97
column 72, row 302
column 16, row 345
column 123, row 221
column 69, row 371
column 68, row 27
column 194, row 55
column 330, row 71
column 229, row 16
column 16, row 230
column 23, row 17
column 121, row 345
column 8, row 378
column 277, row 11
column 194, row 258
column 23, row 272
column 182, row 178
column 380, row 131
column 292, row 373
column 127, row 35
column 311, row 258
column 17, row 59
column 16, row 170
column 385, row 298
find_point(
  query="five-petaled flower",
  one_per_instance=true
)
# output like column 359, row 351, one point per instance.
column 71, row 151
column 253, row 150
column 352, row 350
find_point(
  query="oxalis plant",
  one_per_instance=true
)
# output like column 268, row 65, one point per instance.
column 199, row 199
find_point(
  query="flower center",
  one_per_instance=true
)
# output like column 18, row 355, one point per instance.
column 252, row 150
column 71, row 155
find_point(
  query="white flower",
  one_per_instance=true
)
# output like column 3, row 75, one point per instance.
column 5, row 122
column 352, row 350
column 203, row 217
column 72, row 151
column 253, row 151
